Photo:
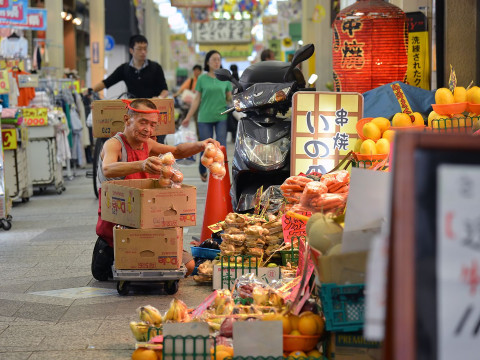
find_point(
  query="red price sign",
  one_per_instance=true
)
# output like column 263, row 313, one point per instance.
column 35, row 117
column 4, row 84
column 9, row 139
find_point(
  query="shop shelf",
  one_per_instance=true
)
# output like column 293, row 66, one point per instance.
column 343, row 306
column 463, row 124
column 204, row 253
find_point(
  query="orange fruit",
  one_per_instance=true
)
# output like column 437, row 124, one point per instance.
column 144, row 354
column 470, row 92
column 295, row 333
column 458, row 120
column 220, row 355
column 358, row 143
column 287, row 328
column 382, row 146
column 314, row 353
column 382, row 123
column 459, row 94
column 444, row 96
column 320, row 324
column 401, row 120
column 221, row 347
column 418, row 119
column 389, row 135
column 371, row 131
column 368, row 147
column 475, row 95
column 294, row 321
column 297, row 354
column 307, row 325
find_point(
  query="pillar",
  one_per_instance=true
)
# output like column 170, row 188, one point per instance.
column 316, row 29
column 54, row 35
column 152, row 30
column 97, row 45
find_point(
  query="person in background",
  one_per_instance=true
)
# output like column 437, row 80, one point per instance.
column 234, row 70
column 211, row 100
column 190, row 83
column 144, row 78
column 267, row 54
column 133, row 155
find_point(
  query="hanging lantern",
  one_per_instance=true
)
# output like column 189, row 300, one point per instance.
column 369, row 46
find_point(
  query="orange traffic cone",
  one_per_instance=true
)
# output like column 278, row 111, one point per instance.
column 218, row 203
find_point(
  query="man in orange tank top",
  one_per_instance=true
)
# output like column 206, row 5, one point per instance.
column 141, row 152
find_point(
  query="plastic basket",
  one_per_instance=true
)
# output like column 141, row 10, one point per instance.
column 289, row 256
column 449, row 109
column 204, row 253
column 343, row 306
column 359, row 127
column 232, row 267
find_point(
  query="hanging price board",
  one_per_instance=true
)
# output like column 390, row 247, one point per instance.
column 9, row 139
column 4, row 83
column 35, row 116
column 323, row 129
column 25, row 81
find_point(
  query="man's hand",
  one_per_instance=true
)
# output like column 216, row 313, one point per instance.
column 185, row 122
column 210, row 141
column 152, row 165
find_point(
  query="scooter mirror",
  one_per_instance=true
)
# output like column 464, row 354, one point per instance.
column 226, row 75
column 300, row 55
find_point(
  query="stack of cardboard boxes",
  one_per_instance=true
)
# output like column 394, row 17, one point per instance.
column 152, row 217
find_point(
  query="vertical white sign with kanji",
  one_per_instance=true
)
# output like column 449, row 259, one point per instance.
column 458, row 262
column 323, row 129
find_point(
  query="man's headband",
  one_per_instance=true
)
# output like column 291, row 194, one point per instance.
column 150, row 111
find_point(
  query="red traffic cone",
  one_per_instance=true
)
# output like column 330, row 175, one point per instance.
column 218, row 203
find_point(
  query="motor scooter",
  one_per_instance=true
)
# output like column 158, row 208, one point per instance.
column 262, row 146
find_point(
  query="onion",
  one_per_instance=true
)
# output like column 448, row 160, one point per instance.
column 177, row 177
column 211, row 150
column 206, row 161
column 219, row 157
column 217, row 169
column 168, row 159
column 164, row 183
column 226, row 329
column 167, row 172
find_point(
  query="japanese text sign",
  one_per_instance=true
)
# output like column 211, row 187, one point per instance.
column 323, row 129
column 15, row 14
column 5, row 4
column 35, row 116
column 4, row 83
column 223, row 31
column 192, row 3
column 458, row 262
column 418, row 69
column 293, row 228
column 33, row 19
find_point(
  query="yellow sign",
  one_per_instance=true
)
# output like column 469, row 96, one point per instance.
column 230, row 51
column 9, row 64
column 9, row 139
column 4, row 83
column 323, row 129
column 35, row 116
column 418, row 69
column 76, row 83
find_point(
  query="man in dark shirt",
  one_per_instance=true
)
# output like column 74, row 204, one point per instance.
column 144, row 78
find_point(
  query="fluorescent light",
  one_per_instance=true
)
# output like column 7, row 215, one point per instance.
column 77, row 21
column 63, row 14
column 68, row 17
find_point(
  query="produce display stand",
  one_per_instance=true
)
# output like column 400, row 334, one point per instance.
column 241, row 264
column 128, row 278
column 16, row 170
column 5, row 218
column 42, row 154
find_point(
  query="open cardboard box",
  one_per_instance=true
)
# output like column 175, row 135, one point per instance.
column 143, row 204
column 107, row 117
column 147, row 248
column 353, row 346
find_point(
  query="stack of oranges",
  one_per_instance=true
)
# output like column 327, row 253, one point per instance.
column 378, row 137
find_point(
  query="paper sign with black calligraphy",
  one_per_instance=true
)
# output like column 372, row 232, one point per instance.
column 458, row 262
column 323, row 129
column 223, row 31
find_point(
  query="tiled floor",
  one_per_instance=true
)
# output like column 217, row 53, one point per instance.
column 49, row 248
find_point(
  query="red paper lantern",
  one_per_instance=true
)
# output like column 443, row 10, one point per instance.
column 369, row 46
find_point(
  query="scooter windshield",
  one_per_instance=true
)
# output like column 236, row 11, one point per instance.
column 263, row 94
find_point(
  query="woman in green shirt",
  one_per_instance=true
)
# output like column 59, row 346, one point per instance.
column 211, row 100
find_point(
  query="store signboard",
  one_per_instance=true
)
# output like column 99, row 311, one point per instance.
column 223, row 31
column 323, row 129
column 458, row 262
column 6, row 4
column 192, row 3
column 15, row 14
column 10, row 63
column 4, row 83
column 418, row 68
column 35, row 116
column 232, row 51
column 33, row 19
column 9, row 139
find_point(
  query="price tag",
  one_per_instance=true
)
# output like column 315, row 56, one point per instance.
column 294, row 228
column 26, row 81
column 9, row 139
column 35, row 116
column 4, row 83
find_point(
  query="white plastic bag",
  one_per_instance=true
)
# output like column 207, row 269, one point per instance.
column 184, row 135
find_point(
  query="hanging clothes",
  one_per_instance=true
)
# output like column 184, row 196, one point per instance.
column 26, row 94
column 14, row 92
column 14, row 47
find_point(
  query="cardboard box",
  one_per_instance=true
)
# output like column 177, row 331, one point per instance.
column 107, row 117
column 142, row 204
column 343, row 269
column 148, row 248
column 264, row 273
column 353, row 346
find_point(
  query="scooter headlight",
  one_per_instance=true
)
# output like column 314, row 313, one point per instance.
column 265, row 156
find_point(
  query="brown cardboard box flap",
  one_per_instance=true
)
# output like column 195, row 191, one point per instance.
column 343, row 269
